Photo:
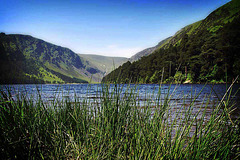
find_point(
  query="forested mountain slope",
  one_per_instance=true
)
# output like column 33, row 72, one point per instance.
column 206, row 51
column 25, row 59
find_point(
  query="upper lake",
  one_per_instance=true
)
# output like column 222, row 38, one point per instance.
column 144, row 94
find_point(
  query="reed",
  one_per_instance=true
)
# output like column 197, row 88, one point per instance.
column 117, row 128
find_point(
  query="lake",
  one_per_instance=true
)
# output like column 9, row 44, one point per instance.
column 144, row 94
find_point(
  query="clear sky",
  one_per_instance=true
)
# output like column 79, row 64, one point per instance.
column 103, row 27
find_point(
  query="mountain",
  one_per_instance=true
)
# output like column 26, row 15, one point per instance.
column 205, row 51
column 148, row 51
column 103, row 63
column 25, row 59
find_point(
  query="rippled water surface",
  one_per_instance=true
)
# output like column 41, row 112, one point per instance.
column 144, row 94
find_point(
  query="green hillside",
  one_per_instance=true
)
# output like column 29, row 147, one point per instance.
column 25, row 59
column 205, row 51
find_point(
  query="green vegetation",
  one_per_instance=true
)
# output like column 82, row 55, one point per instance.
column 214, row 29
column 25, row 59
column 206, row 51
column 194, row 27
column 117, row 128
column 49, row 77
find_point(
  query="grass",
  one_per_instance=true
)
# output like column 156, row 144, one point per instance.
column 117, row 128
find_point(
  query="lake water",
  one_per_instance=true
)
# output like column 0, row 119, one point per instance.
column 147, row 94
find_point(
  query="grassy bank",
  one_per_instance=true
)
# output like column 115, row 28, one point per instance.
column 116, row 128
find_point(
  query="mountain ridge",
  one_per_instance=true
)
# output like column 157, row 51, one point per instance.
column 148, row 51
column 104, row 63
column 26, row 59
column 200, row 52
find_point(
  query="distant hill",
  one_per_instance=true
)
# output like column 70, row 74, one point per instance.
column 205, row 51
column 148, row 51
column 103, row 63
column 25, row 59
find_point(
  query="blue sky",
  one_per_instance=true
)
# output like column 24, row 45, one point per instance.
column 103, row 27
